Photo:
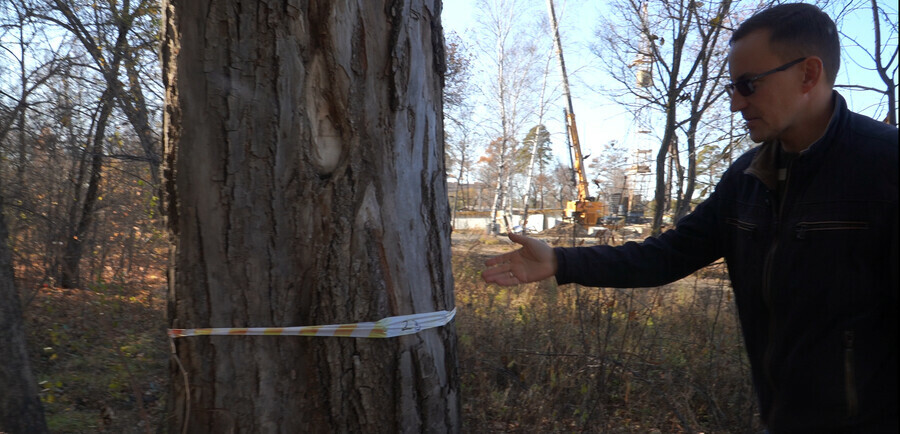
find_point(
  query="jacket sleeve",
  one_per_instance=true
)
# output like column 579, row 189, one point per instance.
column 691, row 245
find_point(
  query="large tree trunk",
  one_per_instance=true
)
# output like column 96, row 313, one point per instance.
column 305, row 185
column 20, row 407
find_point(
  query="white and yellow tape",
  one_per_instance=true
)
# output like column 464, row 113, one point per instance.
column 384, row 328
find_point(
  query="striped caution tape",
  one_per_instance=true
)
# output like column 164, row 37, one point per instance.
column 385, row 328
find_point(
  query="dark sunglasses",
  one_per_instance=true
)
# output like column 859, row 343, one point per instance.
column 745, row 86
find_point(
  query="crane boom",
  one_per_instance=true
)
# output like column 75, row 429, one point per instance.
column 570, row 112
column 584, row 209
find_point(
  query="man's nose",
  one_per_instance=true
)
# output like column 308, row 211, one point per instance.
column 738, row 101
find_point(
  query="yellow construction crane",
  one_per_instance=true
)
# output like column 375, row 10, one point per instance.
column 585, row 210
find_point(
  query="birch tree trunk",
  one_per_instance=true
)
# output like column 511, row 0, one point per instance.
column 304, row 185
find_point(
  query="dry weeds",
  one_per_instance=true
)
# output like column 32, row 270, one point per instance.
column 533, row 358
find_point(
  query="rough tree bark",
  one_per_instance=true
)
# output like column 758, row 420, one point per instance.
column 20, row 408
column 304, row 185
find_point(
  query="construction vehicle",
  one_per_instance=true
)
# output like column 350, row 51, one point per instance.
column 584, row 210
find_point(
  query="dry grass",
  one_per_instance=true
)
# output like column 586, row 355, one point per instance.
column 533, row 358
column 101, row 357
column 542, row 358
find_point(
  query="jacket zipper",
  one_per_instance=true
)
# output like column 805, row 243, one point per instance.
column 742, row 225
column 849, row 376
column 803, row 228
column 769, row 303
column 778, row 212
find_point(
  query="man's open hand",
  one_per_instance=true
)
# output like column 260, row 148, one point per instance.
column 534, row 261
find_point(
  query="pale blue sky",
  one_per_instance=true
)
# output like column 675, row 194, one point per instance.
column 601, row 120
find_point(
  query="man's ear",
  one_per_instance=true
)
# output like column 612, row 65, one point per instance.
column 813, row 72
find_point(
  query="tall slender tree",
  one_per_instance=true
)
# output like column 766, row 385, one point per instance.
column 112, row 33
column 538, row 152
column 459, row 129
column 511, row 51
column 681, row 41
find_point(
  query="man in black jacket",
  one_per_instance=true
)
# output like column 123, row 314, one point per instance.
column 807, row 223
